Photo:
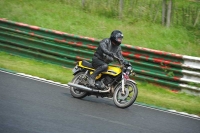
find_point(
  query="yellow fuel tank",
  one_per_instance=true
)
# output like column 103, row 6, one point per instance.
column 112, row 70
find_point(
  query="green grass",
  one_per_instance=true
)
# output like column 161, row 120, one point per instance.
column 158, row 96
column 35, row 68
column 59, row 15
column 148, row 93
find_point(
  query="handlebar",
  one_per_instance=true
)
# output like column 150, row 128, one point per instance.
column 123, row 65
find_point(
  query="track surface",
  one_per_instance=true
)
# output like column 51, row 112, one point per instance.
column 30, row 106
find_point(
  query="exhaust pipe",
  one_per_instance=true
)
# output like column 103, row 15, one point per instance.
column 81, row 87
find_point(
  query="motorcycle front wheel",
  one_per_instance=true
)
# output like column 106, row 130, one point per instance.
column 73, row 90
column 125, row 100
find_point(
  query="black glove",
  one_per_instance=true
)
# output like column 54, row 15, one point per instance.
column 107, row 58
column 114, row 55
column 126, row 63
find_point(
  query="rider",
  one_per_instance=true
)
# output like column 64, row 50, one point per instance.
column 108, row 49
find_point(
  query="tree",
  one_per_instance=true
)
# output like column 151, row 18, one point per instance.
column 121, row 4
column 166, row 12
column 83, row 3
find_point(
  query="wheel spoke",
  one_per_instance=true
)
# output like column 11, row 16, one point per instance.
column 75, row 91
column 129, row 89
column 127, row 99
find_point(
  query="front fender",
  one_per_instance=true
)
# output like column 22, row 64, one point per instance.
column 132, row 81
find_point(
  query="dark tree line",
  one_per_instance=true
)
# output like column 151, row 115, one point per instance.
column 165, row 12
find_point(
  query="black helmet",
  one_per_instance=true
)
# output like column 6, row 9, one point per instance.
column 116, row 37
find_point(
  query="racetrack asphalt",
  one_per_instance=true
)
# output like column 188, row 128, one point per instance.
column 30, row 106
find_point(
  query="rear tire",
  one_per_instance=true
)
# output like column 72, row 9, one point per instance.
column 126, row 100
column 76, row 92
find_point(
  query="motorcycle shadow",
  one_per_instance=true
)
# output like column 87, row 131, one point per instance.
column 92, row 99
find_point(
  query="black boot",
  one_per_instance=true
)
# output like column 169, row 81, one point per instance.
column 92, row 77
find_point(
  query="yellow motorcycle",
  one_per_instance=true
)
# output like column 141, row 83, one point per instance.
column 115, row 83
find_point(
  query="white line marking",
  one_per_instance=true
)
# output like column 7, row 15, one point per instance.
column 196, row 117
column 37, row 79
column 107, row 120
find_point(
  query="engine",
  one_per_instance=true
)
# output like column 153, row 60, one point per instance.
column 107, row 79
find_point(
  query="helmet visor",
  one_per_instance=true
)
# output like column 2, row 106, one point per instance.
column 119, row 35
column 119, row 39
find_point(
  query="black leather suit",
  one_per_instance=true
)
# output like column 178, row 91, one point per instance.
column 103, row 56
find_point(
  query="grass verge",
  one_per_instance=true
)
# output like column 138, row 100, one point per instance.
column 148, row 93
column 62, row 16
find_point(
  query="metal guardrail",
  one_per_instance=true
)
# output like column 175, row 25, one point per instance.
column 169, row 69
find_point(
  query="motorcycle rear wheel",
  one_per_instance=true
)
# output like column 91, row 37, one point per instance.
column 127, row 99
column 76, row 92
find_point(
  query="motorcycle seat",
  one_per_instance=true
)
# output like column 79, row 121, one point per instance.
column 87, row 64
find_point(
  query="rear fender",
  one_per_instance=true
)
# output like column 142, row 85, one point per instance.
column 76, row 70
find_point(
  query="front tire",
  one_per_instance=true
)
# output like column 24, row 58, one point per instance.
column 76, row 92
column 127, row 99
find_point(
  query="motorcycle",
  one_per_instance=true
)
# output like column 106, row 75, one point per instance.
column 114, row 83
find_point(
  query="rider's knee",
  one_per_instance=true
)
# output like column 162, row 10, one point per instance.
column 105, row 67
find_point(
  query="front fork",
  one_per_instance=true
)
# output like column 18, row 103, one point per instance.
column 125, row 77
column 123, row 82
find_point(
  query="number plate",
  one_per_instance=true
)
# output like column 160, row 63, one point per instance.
column 75, row 69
